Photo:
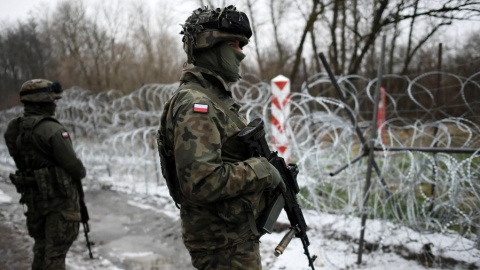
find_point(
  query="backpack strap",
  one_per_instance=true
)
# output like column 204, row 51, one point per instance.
column 26, row 126
column 28, row 178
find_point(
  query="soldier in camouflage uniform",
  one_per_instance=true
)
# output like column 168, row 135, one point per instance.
column 47, row 170
column 211, row 176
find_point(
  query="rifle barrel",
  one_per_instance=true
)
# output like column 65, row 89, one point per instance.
column 85, row 231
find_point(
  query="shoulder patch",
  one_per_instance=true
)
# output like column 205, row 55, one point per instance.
column 65, row 135
column 200, row 108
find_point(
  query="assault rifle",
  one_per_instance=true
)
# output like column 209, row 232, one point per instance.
column 254, row 136
column 84, row 216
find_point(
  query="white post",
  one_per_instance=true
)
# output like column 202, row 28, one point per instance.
column 280, row 112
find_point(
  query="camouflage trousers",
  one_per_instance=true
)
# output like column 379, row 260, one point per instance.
column 53, row 230
column 242, row 256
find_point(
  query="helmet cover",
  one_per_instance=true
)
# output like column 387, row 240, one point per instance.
column 40, row 90
column 206, row 27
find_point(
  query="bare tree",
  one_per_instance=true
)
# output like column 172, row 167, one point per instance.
column 24, row 54
column 386, row 16
column 158, row 51
column 70, row 39
column 143, row 36
column 278, row 11
column 116, row 25
column 466, row 60
column 316, row 10
column 253, row 24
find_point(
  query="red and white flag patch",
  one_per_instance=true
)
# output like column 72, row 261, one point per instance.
column 200, row 108
column 65, row 135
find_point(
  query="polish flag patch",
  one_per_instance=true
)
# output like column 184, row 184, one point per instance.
column 65, row 135
column 200, row 108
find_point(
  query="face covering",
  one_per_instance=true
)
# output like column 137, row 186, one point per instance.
column 40, row 108
column 222, row 59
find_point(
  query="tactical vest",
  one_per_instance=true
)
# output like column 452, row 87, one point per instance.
column 26, row 152
column 50, row 181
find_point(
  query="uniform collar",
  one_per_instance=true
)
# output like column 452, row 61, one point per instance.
column 196, row 73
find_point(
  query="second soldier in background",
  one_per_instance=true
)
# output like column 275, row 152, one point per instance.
column 47, row 173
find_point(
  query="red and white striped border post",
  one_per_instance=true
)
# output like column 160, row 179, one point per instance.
column 280, row 86
column 381, row 117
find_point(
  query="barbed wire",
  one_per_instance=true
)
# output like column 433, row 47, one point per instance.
column 114, row 134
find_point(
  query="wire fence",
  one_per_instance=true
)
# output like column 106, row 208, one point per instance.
column 428, row 191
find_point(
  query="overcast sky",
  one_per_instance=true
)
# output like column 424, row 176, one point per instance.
column 12, row 10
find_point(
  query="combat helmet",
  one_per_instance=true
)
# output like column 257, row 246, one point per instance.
column 206, row 27
column 40, row 90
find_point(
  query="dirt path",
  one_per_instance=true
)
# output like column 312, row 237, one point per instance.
column 127, row 235
column 133, row 235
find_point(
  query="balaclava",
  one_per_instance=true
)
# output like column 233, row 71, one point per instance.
column 40, row 108
column 221, row 59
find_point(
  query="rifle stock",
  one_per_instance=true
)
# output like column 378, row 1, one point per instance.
column 254, row 136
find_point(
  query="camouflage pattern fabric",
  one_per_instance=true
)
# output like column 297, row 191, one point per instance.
column 219, row 180
column 241, row 256
column 207, row 26
column 54, row 225
column 210, row 37
column 47, row 156
column 51, row 145
column 40, row 90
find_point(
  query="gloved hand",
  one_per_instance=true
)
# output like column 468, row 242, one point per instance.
column 277, row 178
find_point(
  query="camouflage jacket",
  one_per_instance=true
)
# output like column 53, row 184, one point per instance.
column 218, row 178
column 41, row 148
column 51, row 143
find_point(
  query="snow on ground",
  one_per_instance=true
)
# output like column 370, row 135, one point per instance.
column 333, row 239
column 4, row 197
